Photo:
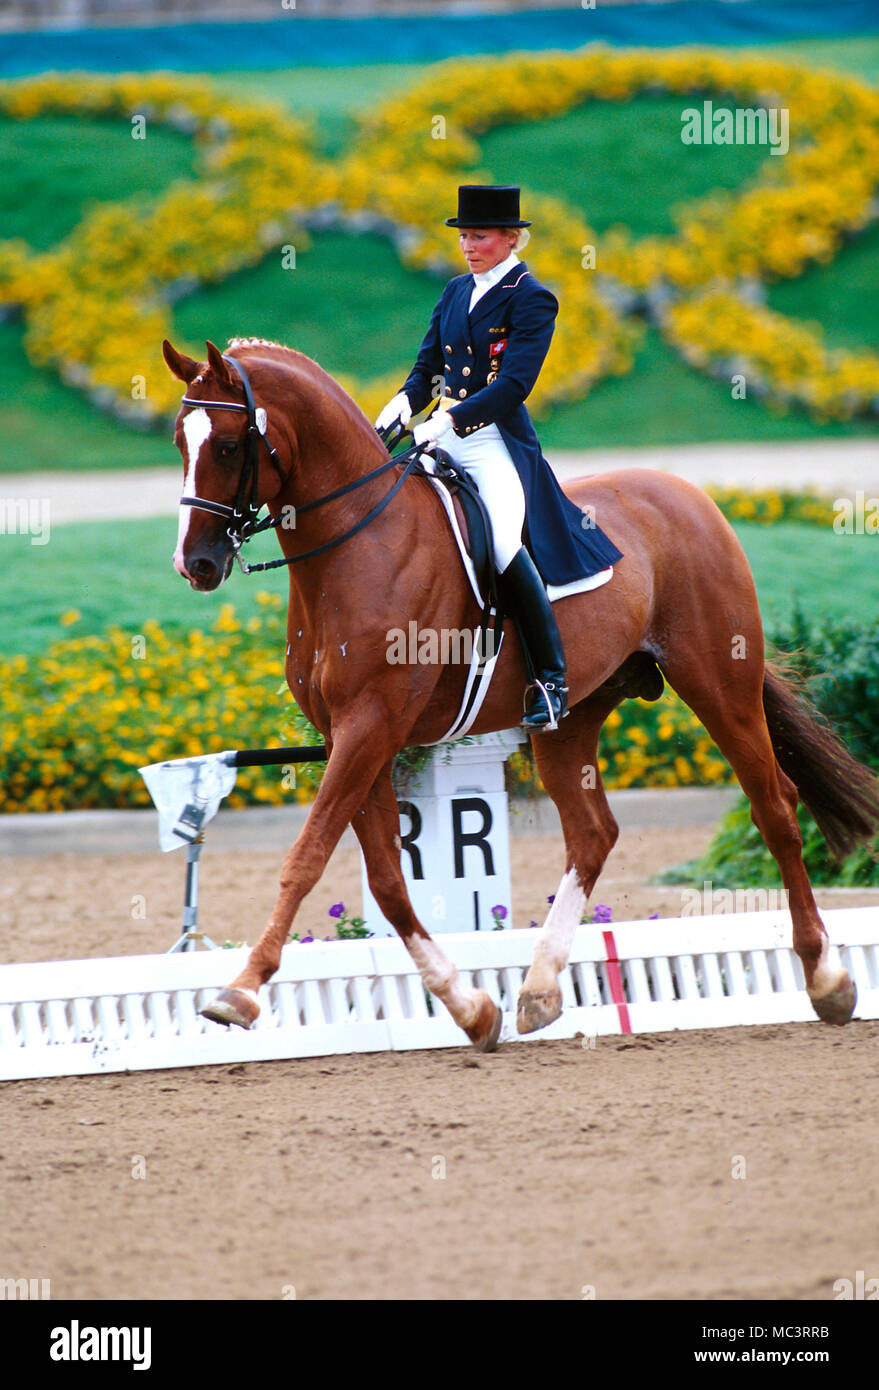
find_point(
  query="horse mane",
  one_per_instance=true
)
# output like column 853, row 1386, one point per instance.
column 289, row 356
column 265, row 343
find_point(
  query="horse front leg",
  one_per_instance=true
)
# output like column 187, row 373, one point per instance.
column 377, row 826
column 354, row 761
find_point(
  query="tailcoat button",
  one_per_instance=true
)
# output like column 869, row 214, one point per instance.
column 465, row 371
column 462, row 393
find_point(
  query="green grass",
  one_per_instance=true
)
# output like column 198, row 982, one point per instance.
column 858, row 56
column 121, row 573
column 47, row 425
column 662, row 401
column 839, row 297
column 53, row 168
column 114, row 573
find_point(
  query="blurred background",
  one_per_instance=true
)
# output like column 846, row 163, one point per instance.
column 161, row 161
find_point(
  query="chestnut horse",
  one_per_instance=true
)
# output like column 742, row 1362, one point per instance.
column 681, row 599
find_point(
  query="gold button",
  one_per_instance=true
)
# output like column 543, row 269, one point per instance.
column 448, row 390
column 462, row 393
column 465, row 371
column 448, row 349
column 470, row 350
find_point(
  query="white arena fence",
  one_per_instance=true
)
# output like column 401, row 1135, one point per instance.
column 138, row 1013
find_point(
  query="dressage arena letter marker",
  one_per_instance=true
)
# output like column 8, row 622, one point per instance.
column 457, row 844
column 475, row 838
column 407, row 842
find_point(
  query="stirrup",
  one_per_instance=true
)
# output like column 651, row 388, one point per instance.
column 531, row 719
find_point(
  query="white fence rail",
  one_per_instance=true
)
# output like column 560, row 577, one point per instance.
column 136, row 1013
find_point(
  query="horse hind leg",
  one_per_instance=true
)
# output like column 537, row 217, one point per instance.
column 568, row 763
column 734, row 713
column 377, row 826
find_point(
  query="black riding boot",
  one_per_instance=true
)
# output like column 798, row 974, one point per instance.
column 524, row 591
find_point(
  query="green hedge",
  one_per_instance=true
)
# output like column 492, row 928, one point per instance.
column 839, row 661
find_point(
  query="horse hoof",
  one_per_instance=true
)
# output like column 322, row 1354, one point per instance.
column 233, row 1006
column 839, row 1006
column 537, row 1008
column 486, row 1030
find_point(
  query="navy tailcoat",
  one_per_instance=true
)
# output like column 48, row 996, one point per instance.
column 488, row 362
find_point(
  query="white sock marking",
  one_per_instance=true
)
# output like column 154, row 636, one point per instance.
column 556, row 936
column 440, row 976
column 828, row 972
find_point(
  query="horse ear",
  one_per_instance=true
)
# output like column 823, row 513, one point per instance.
column 219, row 368
column 183, row 367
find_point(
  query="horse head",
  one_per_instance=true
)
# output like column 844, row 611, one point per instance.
column 227, row 473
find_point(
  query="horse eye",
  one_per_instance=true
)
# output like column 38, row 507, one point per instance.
column 227, row 447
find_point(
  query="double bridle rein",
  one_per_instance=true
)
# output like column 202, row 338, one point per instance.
column 243, row 527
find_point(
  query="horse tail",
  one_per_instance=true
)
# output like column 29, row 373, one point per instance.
column 841, row 794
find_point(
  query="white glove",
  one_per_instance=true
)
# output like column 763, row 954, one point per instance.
column 397, row 409
column 433, row 428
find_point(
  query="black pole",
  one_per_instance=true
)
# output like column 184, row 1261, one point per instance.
column 263, row 757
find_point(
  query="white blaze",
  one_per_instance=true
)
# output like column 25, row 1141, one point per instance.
column 196, row 430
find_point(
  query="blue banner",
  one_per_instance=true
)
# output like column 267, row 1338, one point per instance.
column 297, row 40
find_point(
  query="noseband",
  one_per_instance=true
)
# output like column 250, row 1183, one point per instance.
column 241, row 527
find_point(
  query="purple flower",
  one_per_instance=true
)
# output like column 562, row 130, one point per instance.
column 337, row 909
column 653, row 917
column 603, row 914
column 306, row 938
column 499, row 912
column 551, row 898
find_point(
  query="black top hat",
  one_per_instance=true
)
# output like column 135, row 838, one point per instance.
column 487, row 205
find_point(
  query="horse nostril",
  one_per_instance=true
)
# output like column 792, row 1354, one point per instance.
column 204, row 571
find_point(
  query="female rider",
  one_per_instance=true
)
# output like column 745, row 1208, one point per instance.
column 485, row 346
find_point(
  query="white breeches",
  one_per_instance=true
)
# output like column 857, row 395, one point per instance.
column 486, row 458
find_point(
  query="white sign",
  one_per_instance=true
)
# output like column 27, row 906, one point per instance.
column 454, row 830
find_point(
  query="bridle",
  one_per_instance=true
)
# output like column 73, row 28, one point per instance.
column 243, row 527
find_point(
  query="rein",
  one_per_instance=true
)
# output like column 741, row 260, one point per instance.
column 248, row 527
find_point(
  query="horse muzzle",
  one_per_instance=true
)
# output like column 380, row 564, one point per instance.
column 206, row 567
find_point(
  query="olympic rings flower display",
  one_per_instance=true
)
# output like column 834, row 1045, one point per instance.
column 98, row 307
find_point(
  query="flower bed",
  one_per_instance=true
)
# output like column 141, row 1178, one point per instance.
column 80, row 720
